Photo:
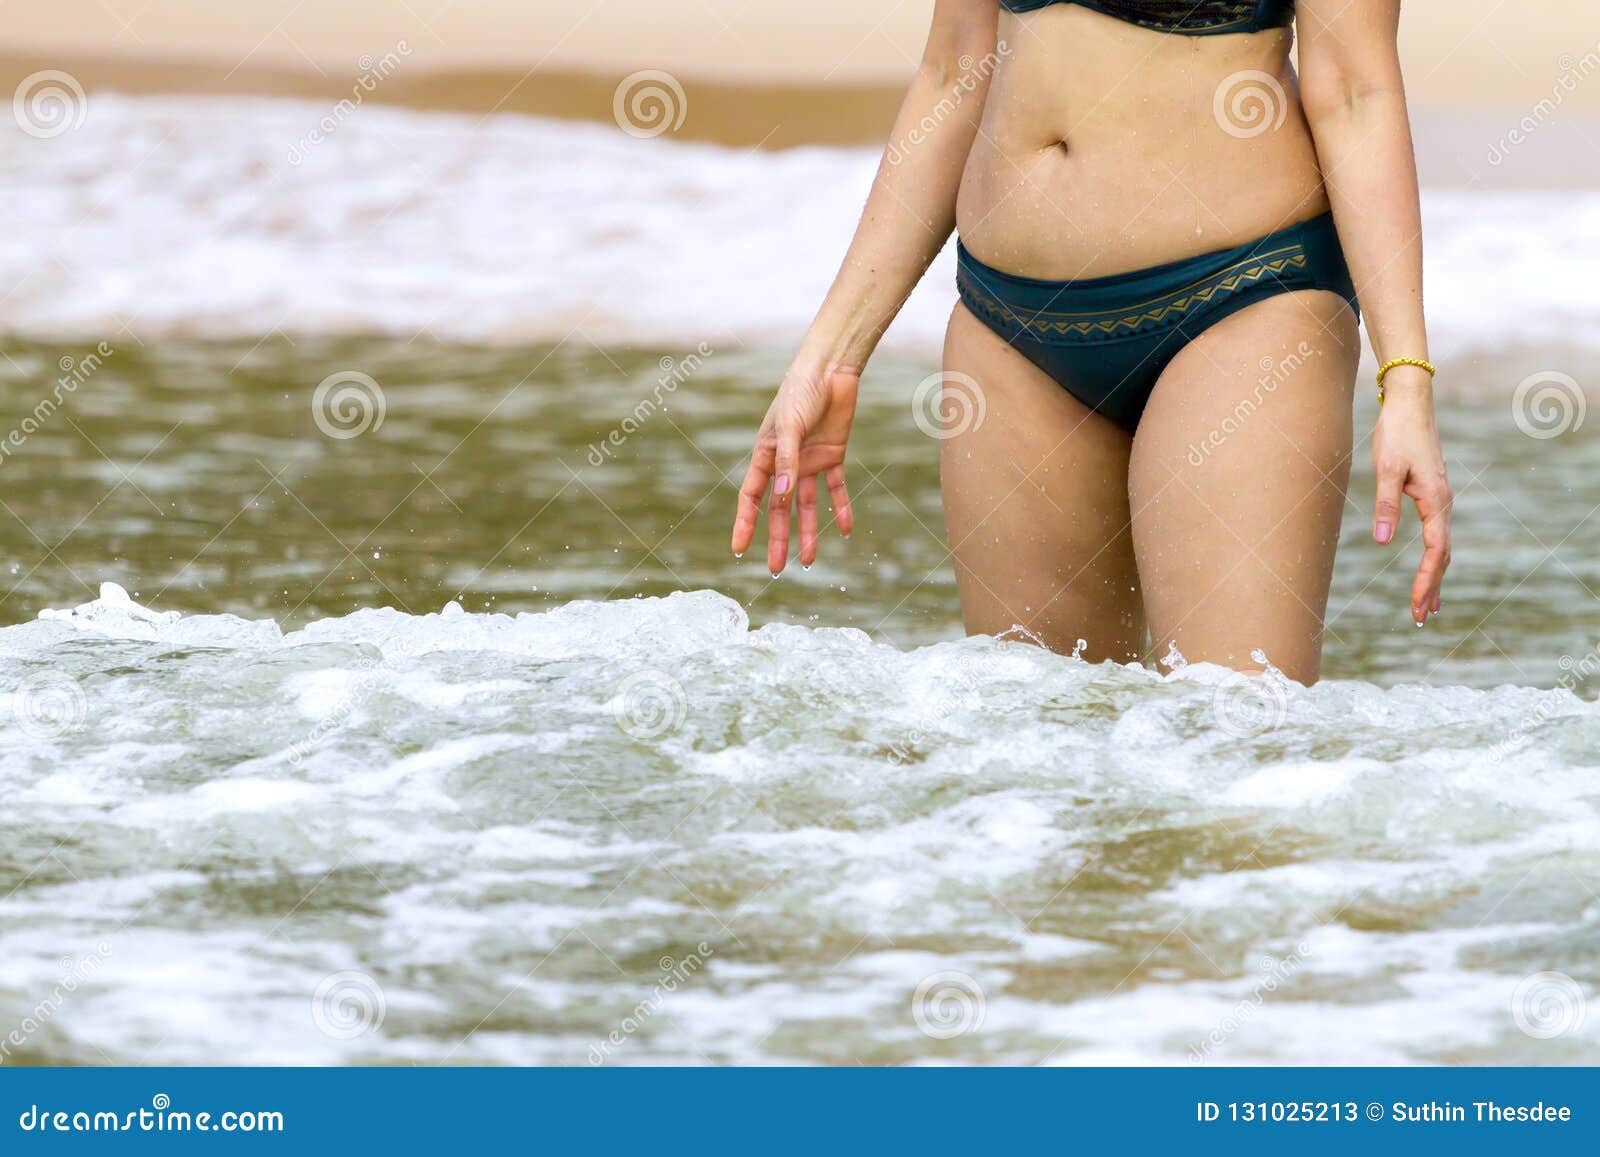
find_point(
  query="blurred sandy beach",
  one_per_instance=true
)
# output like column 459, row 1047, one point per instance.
column 773, row 76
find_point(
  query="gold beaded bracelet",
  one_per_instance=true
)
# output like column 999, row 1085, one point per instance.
column 1383, row 370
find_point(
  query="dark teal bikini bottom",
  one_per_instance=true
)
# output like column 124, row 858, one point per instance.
column 1107, row 340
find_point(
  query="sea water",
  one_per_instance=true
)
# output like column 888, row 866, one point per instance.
column 433, row 721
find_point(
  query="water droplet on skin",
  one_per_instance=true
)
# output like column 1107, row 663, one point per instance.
column 738, row 554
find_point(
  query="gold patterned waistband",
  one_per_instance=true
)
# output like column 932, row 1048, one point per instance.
column 1158, row 312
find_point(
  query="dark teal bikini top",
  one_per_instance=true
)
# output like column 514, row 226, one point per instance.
column 1189, row 17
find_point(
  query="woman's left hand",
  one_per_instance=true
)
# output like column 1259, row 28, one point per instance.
column 1407, row 459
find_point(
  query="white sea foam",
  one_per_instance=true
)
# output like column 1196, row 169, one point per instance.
column 184, row 215
column 464, row 814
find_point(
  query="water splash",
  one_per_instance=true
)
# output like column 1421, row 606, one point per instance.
column 449, row 803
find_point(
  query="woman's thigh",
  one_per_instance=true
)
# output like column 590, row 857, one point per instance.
column 1238, row 480
column 1036, row 502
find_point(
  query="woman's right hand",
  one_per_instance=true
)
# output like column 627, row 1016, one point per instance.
column 802, row 438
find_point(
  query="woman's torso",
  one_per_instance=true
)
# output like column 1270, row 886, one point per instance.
column 1107, row 147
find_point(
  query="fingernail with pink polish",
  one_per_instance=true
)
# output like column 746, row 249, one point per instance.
column 1384, row 532
column 782, row 486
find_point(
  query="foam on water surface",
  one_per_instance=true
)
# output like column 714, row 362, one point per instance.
column 502, row 827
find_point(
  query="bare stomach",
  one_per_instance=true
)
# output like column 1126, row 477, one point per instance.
column 1106, row 147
